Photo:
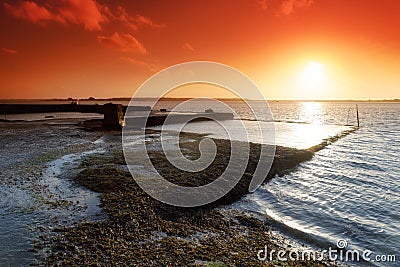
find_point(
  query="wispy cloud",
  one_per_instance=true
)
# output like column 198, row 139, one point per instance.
column 124, row 42
column 148, row 22
column 33, row 12
column 289, row 6
column 9, row 51
column 120, row 14
column 88, row 13
column 263, row 4
column 85, row 12
column 187, row 46
column 285, row 7
column 150, row 66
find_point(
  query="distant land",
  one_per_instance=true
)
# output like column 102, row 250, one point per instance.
column 187, row 98
column 224, row 99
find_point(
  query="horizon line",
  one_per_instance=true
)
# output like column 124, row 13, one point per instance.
column 182, row 98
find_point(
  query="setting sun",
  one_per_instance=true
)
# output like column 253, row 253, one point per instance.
column 313, row 73
column 313, row 81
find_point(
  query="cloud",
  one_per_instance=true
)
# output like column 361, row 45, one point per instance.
column 285, row 7
column 188, row 47
column 147, row 21
column 289, row 6
column 9, row 51
column 122, row 42
column 88, row 13
column 150, row 66
column 263, row 4
column 85, row 12
column 31, row 11
column 120, row 14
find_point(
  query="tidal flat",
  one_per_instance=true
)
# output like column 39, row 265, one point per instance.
column 141, row 231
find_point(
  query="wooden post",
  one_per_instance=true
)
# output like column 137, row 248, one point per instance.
column 358, row 119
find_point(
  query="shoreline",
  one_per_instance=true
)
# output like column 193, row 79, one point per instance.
column 141, row 230
column 37, row 194
column 92, row 99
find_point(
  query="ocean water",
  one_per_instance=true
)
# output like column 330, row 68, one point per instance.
column 296, row 135
column 349, row 190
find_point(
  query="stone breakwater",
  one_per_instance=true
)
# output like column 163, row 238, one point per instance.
column 141, row 231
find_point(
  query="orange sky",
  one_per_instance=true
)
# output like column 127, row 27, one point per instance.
column 82, row 48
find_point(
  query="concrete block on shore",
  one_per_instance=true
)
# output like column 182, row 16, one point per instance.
column 113, row 116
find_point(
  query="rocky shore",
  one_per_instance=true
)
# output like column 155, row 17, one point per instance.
column 141, row 231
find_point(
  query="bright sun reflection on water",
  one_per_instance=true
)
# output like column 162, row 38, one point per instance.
column 305, row 129
column 296, row 135
column 311, row 112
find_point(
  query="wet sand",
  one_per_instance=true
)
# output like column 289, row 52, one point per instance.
column 141, row 231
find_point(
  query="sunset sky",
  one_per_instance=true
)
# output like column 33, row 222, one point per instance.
column 292, row 49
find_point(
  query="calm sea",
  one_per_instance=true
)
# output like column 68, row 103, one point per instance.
column 349, row 190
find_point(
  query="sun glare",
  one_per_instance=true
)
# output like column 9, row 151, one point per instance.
column 313, row 73
column 313, row 81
